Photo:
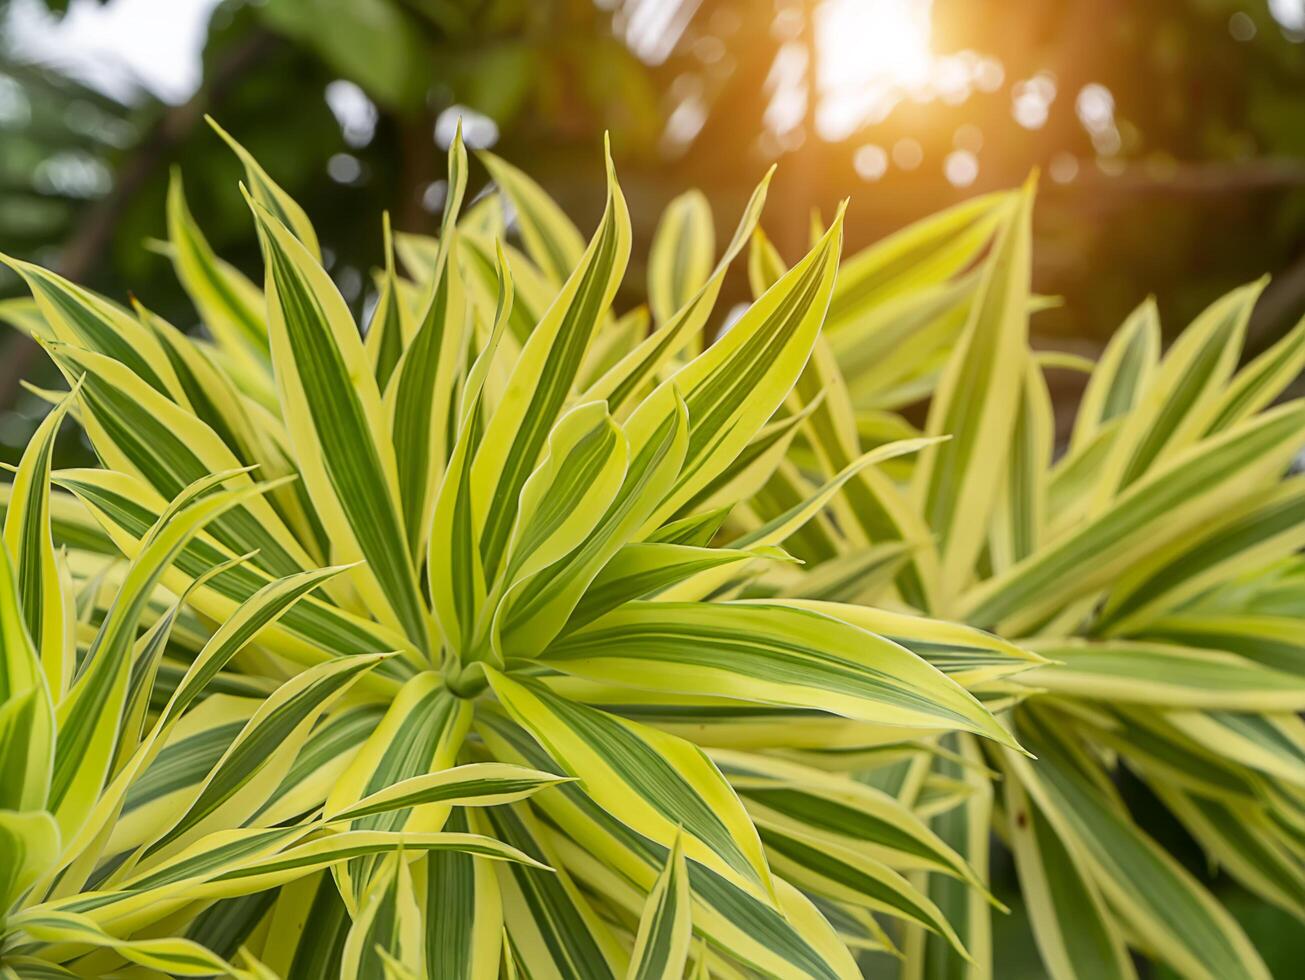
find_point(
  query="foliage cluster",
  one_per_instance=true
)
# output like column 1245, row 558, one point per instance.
column 513, row 634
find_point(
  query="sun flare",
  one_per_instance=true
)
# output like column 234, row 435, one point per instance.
column 869, row 54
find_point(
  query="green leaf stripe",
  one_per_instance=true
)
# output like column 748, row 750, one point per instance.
column 561, row 365
column 410, row 753
column 1193, row 476
column 736, row 913
column 1167, row 904
column 199, row 271
column 261, row 609
column 333, row 738
column 1281, row 514
column 160, row 453
column 641, row 570
column 567, row 936
column 451, row 904
column 770, row 653
column 315, row 621
column 256, row 745
column 714, row 403
column 423, row 398
column 87, row 317
column 29, row 542
column 1262, row 380
column 650, row 775
column 661, row 947
column 90, row 714
column 181, row 764
column 1202, row 369
column 881, row 272
column 347, row 450
column 842, row 819
column 475, row 784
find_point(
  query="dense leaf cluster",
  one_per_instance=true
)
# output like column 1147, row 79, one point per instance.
column 513, row 634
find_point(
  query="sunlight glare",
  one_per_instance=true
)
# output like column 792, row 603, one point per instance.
column 118, row 49
column 870, row 54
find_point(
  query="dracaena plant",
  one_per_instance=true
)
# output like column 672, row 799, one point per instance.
column 422, row 660
column 1152, row 554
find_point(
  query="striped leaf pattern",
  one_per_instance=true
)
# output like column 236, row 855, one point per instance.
column 1134, row 591
column 661, row 947
column 28, row 536
column 772, row 654
column 522, row 631
column 334, row 417
column 655, row 782
column 679, row 260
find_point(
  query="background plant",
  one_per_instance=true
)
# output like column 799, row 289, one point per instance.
column 1187, row 185
column 517, row 492
column 1155, row 560
column 1190, row 185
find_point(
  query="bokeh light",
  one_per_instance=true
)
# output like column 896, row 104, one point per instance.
column 870, row 161
column 961, row 168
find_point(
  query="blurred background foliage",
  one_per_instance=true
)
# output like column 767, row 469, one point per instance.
column 1169, row 136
